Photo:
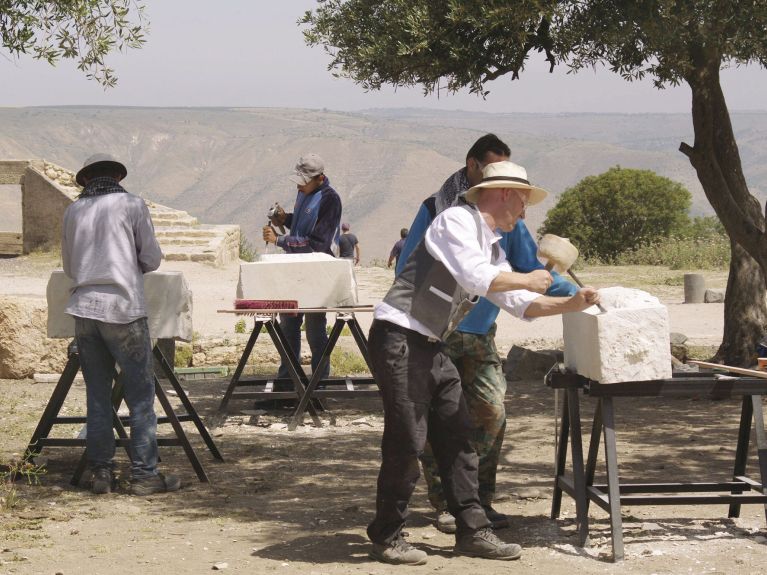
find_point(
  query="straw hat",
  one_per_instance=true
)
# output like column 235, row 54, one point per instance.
column 506, row 175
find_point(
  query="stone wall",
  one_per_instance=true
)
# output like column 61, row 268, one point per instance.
column 12, row 171
column 47, row 190
column 230, row 251
column 24, row 347
column 43, row 201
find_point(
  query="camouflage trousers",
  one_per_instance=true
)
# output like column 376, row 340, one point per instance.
column 484, row 389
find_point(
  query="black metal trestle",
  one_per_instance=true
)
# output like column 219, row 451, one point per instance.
column 304, row 389
column 51, row 417
column 612, row 494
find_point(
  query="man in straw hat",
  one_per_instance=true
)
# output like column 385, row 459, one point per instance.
column 458, row 261
column 471, row 347
column 108, row 244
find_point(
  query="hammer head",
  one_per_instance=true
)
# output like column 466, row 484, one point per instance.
column 557, row 253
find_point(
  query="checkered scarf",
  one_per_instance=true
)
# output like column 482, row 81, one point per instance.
column 454, row 186
column 101, row 186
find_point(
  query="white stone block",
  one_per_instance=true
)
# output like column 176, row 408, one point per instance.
column 630, row 342
column 314, row 280
column 168, row 303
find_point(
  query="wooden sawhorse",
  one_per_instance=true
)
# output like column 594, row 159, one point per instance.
column 613, row 494
column 51, row 417
column 304, row 389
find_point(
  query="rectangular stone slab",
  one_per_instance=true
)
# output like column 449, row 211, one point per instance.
column 168, row 302
column 628, row 343
column 314, row 280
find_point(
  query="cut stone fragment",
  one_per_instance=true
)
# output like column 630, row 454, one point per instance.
column 314, row 280
column 630, row 342
column 713, row 296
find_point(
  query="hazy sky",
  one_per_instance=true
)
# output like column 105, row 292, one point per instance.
column 252, row 53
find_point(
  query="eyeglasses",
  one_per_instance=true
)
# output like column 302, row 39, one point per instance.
column 524, row 197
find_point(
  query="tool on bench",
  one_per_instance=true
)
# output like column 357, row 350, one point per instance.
column 259, row 304
column 558, row 254
column 731, row 369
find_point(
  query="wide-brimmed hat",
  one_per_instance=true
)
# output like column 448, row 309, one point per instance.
column 99, row 163
column 307, row 167
column 506, row 175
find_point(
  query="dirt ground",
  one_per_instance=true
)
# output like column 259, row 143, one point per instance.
column 298, row 502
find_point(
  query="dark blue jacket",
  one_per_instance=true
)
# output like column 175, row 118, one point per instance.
column 314, row 223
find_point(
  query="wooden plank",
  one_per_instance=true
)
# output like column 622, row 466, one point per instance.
column 354, row 309
column 11, row 243
column 740, row 370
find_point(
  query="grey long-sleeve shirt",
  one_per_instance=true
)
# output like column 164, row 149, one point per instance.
column 108, row 243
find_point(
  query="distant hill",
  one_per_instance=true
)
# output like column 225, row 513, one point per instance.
column 226, row 165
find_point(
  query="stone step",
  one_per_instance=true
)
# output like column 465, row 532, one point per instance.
column 193, row 236
column 192, row 253
column 170, row 213
column 165, row 211
column 162, row 221
column 180, row 241
column 186, row 232
column 183, row 238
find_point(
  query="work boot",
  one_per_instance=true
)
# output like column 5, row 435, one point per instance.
column 484, row 543
column 155, row 484
column 102, row 481
column 398, row 552
column 445, row 522
column 497, row 520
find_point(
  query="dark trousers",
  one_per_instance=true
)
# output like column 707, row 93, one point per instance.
column 316, row 335
column 422, row 397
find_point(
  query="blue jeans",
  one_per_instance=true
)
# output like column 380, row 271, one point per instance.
column 316, row 335
column 100, row 345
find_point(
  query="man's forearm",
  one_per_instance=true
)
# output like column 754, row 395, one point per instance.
column 548, row 305
column 507, row 281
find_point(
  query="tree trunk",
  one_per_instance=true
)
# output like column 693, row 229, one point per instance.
column 716, row 160
column 745, row 312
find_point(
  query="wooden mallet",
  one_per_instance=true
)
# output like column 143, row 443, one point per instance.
column 558, row 254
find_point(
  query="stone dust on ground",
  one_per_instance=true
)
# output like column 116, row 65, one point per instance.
column 298, row 502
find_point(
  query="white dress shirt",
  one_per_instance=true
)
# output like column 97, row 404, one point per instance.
column 452, row 239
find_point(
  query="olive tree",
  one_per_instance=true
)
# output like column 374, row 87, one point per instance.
column 606, row 215
column 453, row 44
column 82, row 30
